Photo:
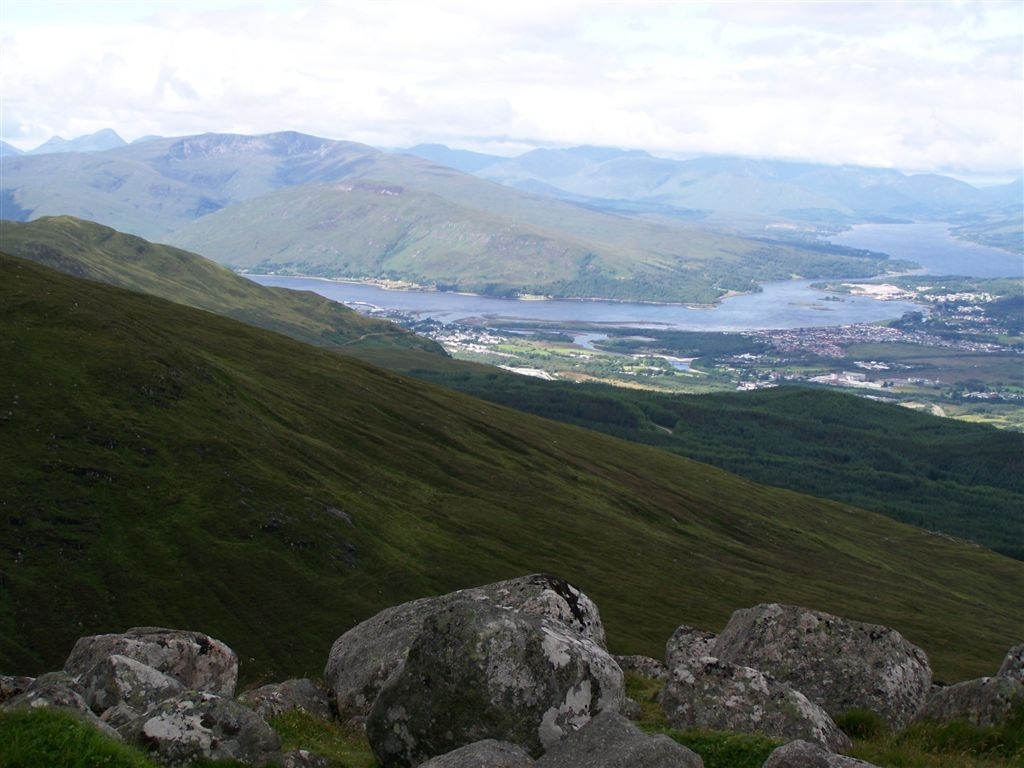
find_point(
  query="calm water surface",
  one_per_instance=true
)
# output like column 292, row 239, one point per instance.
column 788, row 304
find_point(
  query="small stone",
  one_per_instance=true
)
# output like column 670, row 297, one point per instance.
column 611, row 741
column 488, row 753
column 1013, row 664
column 803, row 754
column 300, row 693
column 644, row 666
column 688, row 644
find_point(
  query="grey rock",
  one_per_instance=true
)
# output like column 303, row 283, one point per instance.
column 644, row 666
column 478, row 671
column 611, row 741
column 688, row 644
column 985, row 701
column 119, row 688
column 303, row 758
column 195, row 660
column 195, row 725
column 1013, row 664
column 631, row 709
column 277, row 698
column 12, row 685
column 803, row 754
column 60, row 691
column 837, row 663
column 488, row 753
column 721, row 696
column 363, row 658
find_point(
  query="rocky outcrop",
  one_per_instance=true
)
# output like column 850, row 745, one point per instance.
column 837, row 663
column 985, row 701
column 644, row 666
column 367, row 655
column 488, row 753
column 611, row 741
column 1013, row 664
column 688, row 644
column 803, row 754
column 717, row 695
column 119, row 689
column 277, row 698
column 479, row 671
column 196, row 725
column 60, row 691
column 12, row 685
column 195, row 660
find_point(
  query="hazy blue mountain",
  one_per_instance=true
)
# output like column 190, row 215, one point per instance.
column 7, row 150
column 459, row 159
column 94, row 142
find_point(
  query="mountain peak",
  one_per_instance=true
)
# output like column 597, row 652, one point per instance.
column 102, row 140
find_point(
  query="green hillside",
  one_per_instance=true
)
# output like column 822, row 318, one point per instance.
column 961, row 479
column 89, row 250
column 163, row 465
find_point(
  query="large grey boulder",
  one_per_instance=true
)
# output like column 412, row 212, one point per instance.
column 277, row 698
column 196, row 725
column 119, row 688
column 1013, row 664
column 365, row 656
column 837, row 663
column 59, row 691
column 803, row 754
column 478, row 671
column 611, row 741
column 688, row 644
column 721, row 696
column 488, row 753
column 985, row 701
column 195, row 660
column 644, row 666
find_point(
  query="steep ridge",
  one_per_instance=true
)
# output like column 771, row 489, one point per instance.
column 89, row 250
column 166, row 466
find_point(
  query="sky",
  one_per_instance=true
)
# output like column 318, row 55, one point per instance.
column 918, row 86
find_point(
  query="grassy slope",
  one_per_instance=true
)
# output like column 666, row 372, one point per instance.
column 89, row 250
column 167, row 466
column 962, row 479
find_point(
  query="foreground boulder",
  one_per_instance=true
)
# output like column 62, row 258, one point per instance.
column 803, row 754
column 837, row 663
column 274, row 699
column 985, row 701
column 611, row 741
column 688, row 644
column 365, row 656
column 488, row 753
column 59, row 690
column 1013, row 664
column 119, row 689
column 720, row 696
column 478, row 671
column 196, row 725
column 195, row 660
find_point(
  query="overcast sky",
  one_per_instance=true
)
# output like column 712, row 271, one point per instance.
column 911, row 85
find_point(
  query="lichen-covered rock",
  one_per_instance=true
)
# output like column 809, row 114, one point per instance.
column 303, row 758
column 195, row 660
column 478, row 671
column 721, row 696
column 644, row 666
column 688, row 644
column 11, row 686
column 276, row 698
column 60, row 691
column 985, row 701
column 611, row 741
column 119, row 688
column 488, row 753
column 195, row 725
column 837, row 663
column 803, row 754
column 367, row 655
column 1013, row 664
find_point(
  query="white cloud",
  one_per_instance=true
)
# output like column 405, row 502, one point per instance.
column 912, row 85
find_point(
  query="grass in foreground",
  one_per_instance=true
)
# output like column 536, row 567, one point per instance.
column 31, row 738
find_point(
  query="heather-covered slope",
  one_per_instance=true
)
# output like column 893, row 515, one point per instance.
column 166, row 466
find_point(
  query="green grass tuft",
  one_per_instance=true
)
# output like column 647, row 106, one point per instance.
column 34, row 738
column 343, row 746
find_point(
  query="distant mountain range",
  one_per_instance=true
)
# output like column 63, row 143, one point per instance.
column 287, row 202
column 729, row 186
